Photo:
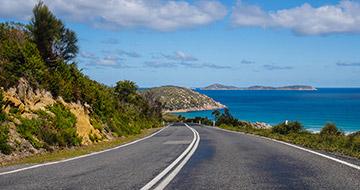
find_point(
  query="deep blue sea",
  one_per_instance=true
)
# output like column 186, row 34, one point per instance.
column 312, row 108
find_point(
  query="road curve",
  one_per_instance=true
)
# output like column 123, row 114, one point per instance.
column 129, row 167
column 226, row 160
column 220, row 160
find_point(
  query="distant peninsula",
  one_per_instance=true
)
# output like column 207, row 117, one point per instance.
column 180, row 99
column 225, row 87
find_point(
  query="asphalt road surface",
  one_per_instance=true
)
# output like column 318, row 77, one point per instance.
column 226, row 160
column 130, row 167
column 176, row 158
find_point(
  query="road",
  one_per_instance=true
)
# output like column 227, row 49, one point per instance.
column 226, row 160
column 178, row 158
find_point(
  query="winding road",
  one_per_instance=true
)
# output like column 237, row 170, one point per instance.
column 183, row 156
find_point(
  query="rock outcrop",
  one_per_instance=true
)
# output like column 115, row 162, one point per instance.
column 28, row 101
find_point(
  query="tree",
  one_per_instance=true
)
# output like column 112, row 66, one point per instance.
column 125, row 90
column 216, row 114
column 153, row 103
column 66, row 47
column 227, row 113
column 53, row 40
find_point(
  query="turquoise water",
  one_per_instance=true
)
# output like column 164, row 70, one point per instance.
column 312, row 108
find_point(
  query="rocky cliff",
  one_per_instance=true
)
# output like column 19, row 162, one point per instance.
column 24, row 103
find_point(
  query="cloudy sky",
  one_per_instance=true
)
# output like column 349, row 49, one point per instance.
column 196, row 43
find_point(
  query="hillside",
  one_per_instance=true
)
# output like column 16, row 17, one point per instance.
column 179, row 99
column 224, row 87
column 220, row 87
column 47, row 103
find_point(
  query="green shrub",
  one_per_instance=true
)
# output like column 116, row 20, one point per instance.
column 14, row 110
column 2, row 115
column 30, row 129
column 330, row 129
column 286, row 128
column 63, row 117
column 1, row 99
column 64, row 123
column 51, row 130
column 4, row 137
column 354, row 138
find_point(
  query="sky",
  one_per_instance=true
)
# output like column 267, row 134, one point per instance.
column 196, row 43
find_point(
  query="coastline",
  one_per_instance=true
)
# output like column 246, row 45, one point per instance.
column 208, row 108
column 260, row 89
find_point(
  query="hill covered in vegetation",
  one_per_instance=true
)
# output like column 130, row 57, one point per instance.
column 46, row 102
column 225, row 87
column 179, row 99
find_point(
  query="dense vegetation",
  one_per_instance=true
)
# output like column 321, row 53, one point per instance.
column 4, row 131
column 330, row 137
column 43, row 53
column 200, row 120
column 49, row 130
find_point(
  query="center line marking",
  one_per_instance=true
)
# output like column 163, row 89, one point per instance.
column 182, row 159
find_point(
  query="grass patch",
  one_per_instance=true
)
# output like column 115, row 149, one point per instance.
column 80, row 150
column 330, row 139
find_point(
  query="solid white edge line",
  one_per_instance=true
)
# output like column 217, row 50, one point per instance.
column 295, row 146
column 171, row 176
column 82, row 156
column 155, row 180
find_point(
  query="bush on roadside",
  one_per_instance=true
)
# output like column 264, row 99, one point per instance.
column 354, row 138
column 330, row 129
column 4, row 137
column 58, row 130
column 2, row 115
column 287, row 128
column 30, row 128
column 202, row 120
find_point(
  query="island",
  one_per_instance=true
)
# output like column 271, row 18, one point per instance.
column 180, row 99
column 225, row 87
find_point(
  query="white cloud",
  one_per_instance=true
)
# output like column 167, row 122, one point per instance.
column 182, row 59
column 343, row 17
column 88, row 55
column 108, row 61
column 153, row 14
column 132, row 54
column 180, row 56
column 19, row 9
column 274, row 67
column 247, row 62
column 345, row 64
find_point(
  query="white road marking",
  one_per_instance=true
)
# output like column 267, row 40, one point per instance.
column 187, row 154
column 295, row 146
column 171, row 176
column 177, row 142
column 78, row 157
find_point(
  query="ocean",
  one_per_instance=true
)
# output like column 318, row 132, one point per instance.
column 312, row 108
